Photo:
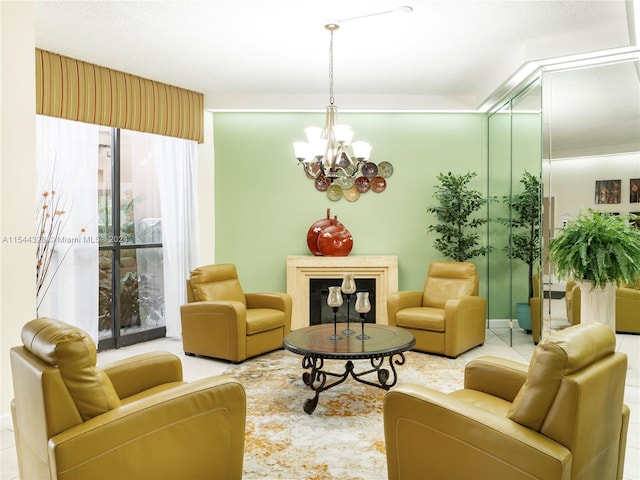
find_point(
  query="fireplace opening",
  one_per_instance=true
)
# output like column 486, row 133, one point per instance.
column 320, row 312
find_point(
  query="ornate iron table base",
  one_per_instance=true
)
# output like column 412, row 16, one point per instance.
column 316, row 345
column 317, row 378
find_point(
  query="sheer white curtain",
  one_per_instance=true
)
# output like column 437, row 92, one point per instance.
column 176, row 167
column 67, row 164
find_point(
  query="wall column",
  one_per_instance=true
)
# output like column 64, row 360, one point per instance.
column 17, row 182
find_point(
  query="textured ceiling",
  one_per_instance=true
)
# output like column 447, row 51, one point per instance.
column 446, row 54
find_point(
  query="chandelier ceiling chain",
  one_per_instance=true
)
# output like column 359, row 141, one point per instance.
column 332, row 27
column 338, row 167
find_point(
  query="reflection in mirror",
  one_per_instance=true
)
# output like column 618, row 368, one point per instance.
column 591, row 154
column 499, row 279
column 514, row 152
column 525, row 236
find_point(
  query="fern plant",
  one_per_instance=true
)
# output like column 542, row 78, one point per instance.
column 456, row 203
column 598, row 247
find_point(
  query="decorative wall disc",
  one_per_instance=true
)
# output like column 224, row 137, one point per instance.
column 385, row 169
column 322, row 183
column 351, row 194
column 334, row 193
column 362, row 184
column 378, row 184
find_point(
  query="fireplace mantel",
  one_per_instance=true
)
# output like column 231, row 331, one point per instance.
column 301, row 269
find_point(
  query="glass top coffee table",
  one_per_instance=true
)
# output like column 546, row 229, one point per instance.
column 316, row 346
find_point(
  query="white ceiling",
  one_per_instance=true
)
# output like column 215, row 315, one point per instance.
column 259, row 54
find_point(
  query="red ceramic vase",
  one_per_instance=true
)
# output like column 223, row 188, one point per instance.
column 335, row 241
column 316, row 228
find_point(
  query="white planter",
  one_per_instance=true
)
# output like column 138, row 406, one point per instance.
column 598, row 305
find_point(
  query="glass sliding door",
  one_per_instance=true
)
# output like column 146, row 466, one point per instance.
column 131, row 301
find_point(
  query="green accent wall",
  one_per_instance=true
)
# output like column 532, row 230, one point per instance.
column 265, row 204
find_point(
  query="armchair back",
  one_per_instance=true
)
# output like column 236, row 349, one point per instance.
column 574, row 394
column 213, row 283
column 446, row 280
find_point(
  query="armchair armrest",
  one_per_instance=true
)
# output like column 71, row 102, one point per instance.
column 399, row 300
column 216, row 329
column 226, row 312
column 495, row 376
column 429, row 431
column 465, row 321
column 195, row 430
column 536, row 318
column 627, row 306
column 276, row 301
column 141, row 372
column 459, row 311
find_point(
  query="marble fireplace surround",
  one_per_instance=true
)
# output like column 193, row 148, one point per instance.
column 301, row 269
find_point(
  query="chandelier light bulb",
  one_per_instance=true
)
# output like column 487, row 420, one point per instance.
column 343, row 134
column 302, row 151
column 361, row 150
column 314, row 134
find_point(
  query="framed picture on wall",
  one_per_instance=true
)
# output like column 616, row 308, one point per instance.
column 608, row 191
column 634, row 190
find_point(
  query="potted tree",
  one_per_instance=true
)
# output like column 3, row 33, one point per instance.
column 456, row 203
column 600, row 251
column 524, row 237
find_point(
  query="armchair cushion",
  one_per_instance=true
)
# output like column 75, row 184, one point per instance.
column 74, row 353
column 425, row 318
column 263, row 320
column 220, row 284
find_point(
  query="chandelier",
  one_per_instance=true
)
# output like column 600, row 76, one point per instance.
column 339, row 167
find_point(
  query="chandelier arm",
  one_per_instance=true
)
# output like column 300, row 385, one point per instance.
column 330, row 148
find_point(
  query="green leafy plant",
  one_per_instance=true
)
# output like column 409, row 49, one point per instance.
column 524, row 222
column 598, row 247
column 456, row 203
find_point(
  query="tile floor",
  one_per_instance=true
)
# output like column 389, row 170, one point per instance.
column 521, row 350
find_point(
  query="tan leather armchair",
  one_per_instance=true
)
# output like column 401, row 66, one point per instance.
column 572, row 302
column 447, row 317
column 221, row 321
column 562, row 417
column 133, row 419
column 627, row 306
column 535, row 303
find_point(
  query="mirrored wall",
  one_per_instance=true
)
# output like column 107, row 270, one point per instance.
column 515, row 153
column 577, row 128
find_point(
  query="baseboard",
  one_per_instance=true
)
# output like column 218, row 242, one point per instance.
column 499, row 323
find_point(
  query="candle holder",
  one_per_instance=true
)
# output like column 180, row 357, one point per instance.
column 348, row 287
column 334, row 300
column 363, row 306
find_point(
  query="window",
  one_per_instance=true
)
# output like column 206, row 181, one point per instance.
column 131, row 283
column 128, row 233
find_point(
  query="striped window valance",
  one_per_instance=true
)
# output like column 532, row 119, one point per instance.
column 76, row 90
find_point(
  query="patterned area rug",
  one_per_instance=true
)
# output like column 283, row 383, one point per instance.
column 344, row 437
